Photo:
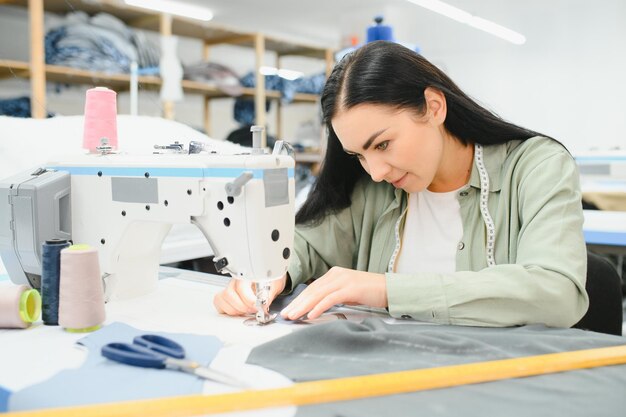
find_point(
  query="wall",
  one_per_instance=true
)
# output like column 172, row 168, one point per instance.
column 566, row 81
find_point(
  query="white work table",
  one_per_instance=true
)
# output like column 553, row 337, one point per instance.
column 181, row 304
column 606, row 230
column 178, row 306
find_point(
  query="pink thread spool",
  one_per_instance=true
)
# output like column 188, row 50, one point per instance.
column 81, row 294
column 19, row 306
column 100, row 118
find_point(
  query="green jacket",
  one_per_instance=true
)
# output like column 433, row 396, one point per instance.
column 539, row 277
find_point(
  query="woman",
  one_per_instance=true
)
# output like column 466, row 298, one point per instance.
column 431, row 206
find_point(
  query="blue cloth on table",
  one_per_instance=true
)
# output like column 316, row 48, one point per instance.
column 4, row 399
column 100, row 380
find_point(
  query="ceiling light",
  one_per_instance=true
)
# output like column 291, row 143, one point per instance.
column 462, row 16
column 174, row 7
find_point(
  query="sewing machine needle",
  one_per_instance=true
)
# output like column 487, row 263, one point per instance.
column 263, row 316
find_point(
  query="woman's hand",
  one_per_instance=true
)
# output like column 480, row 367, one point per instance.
column 238, row 298
column 338, row 286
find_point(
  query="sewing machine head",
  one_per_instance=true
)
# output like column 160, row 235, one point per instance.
column 124, row 206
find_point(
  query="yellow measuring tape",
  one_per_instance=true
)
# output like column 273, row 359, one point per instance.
column 351, row 388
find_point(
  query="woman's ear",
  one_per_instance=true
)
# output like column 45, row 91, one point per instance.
column 435, row 105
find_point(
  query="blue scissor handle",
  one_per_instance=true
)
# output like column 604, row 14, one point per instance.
column 160, row 344
column 134, row 355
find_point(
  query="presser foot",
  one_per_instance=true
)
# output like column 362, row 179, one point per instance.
column 263, row 316
column 263, row 321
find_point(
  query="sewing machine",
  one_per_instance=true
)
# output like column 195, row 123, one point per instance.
column 124, row 205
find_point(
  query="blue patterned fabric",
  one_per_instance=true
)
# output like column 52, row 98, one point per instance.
column 244, row 107
column 17, row 107
column 4, row 399
column 98, row 43
column 103, row 56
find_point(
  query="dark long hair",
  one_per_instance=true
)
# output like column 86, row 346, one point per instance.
column 386, row 73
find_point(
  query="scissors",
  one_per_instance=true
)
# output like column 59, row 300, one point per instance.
column 153, row 351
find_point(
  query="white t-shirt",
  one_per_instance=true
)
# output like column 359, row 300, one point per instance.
column 432, row 231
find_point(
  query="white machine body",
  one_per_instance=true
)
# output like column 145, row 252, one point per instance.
column 124, row 205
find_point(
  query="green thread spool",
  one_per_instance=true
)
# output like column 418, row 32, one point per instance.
column 20, row 306
column 30, row 306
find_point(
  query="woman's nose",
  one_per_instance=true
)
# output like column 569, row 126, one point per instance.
column 377, row 169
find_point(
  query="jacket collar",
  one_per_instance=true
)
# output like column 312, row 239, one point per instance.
column 493, row 157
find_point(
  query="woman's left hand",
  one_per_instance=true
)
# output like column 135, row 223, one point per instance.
column 338, row 286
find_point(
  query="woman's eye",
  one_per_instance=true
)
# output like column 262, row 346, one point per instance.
column 382, row 145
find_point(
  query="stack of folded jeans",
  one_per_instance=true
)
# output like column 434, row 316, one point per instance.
column 98, row 43
column 17, row 107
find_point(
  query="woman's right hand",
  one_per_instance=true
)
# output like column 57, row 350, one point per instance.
column 238, row 298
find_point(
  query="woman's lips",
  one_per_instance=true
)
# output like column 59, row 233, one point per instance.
column 399, row 182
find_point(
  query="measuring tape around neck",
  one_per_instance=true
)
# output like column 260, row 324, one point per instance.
column 484, row 204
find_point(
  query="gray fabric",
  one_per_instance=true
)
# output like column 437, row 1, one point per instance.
column 283, row 301
column 340, row 349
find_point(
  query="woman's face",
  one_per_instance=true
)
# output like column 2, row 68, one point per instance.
column 392, row 145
